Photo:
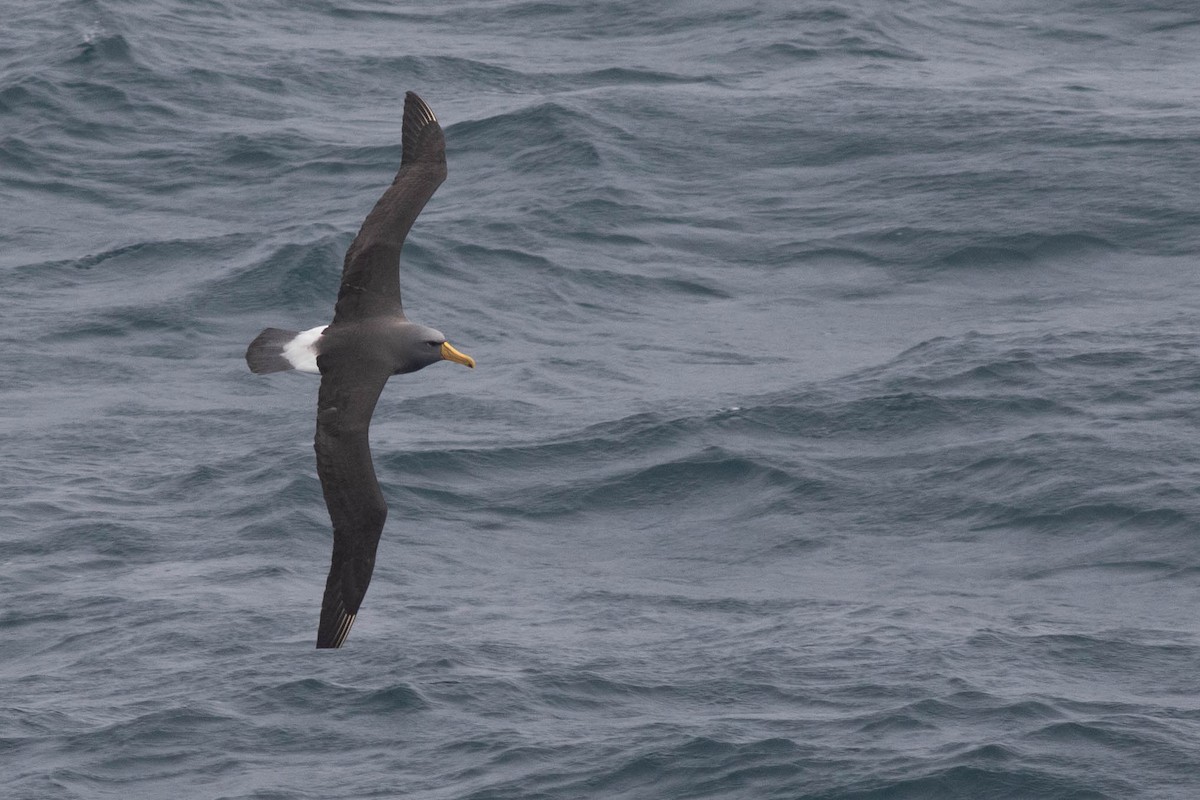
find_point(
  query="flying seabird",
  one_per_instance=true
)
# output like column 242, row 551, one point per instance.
column 368, row 341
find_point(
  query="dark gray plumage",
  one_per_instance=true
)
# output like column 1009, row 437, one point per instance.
column 369, row 340
column 265, row 353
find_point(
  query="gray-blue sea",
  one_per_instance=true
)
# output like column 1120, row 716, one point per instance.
column 836, row 429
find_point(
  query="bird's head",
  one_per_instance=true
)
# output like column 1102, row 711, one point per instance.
column 428, row 346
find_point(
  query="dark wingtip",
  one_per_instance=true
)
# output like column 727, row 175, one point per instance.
column 334, row 630
column 418, row 118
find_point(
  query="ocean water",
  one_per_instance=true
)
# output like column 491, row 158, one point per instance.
column 835, row 433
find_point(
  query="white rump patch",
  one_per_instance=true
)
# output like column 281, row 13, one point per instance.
column 301, row 352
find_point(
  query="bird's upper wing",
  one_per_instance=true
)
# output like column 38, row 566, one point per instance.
column 371, row 272
column 349, row 391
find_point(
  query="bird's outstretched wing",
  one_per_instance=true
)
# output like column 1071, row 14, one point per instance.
column 371, row 272
column 349, row 391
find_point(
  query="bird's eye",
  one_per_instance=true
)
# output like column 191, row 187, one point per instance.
column 432, row 343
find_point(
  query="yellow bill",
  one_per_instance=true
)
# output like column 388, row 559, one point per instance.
column 450, row 354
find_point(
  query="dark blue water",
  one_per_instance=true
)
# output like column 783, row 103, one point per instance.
column 835, row 433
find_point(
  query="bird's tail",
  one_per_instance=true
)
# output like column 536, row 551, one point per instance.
column 265, row 353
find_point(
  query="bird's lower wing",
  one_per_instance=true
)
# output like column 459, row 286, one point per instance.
column 356, row 506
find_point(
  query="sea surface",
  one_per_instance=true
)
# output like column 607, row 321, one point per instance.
column 836, row 429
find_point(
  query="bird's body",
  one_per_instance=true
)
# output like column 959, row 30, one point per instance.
column 368, row 341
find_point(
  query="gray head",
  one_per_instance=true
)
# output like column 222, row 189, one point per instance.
column 422, row 346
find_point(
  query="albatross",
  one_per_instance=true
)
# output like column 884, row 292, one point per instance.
column 368, row 341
